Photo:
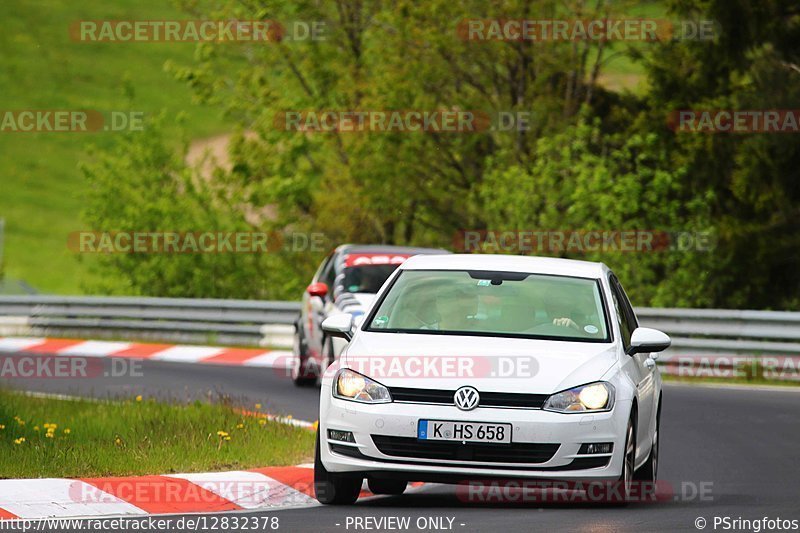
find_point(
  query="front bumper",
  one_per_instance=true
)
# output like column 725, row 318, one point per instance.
column 568, row 431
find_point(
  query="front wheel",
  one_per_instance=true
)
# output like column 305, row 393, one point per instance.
column 648, row 473
column 332, row 488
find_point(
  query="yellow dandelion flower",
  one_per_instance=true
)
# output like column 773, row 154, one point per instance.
column 2, row 426
column 262, row 421
column 258, row 406
column 222, row 434
column 67, row 431
column 19, row 440
column 49, row 435
column 239, row 426
column 36, row 428
column 139, row 398
column 227, row 437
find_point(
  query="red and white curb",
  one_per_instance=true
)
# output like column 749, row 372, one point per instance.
column 270, row 488
column 262, row 488
column 256, row 357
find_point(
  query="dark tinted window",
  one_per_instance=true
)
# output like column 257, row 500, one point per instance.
column 368, row 279
column 625, row 317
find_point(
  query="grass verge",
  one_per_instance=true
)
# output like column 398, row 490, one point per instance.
column 43, row 437
column 42, row 189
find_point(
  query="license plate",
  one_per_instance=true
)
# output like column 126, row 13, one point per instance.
column 463, row 431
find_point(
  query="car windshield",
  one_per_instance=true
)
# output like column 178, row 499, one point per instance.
column 488, row 303
column 366, row 278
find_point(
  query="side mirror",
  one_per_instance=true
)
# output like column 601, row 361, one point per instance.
column 317, row 289
column 647, row 340
column 339, row 326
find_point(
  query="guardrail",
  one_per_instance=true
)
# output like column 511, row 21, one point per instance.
column 189, row 320
column 723, row 339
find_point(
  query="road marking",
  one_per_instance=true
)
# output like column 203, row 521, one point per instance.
column 236, row 356
column 15, row 344
column 186, row 354
column 273, row 359
column 95, row 348
column 240, row 490
column 40, row 498
column 142, row 351
column 161, row 494
column 52, row 346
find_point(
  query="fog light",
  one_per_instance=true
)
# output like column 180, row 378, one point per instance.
column 596, row 448
column 342, row 436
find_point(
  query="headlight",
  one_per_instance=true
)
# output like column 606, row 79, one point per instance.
column 350, row 385
column 592, row 397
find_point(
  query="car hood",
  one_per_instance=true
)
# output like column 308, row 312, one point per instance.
column 500, row 364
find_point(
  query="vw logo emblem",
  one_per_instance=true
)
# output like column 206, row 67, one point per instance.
column 467, row 398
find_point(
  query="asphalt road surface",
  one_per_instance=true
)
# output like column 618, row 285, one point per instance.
column 725, row 453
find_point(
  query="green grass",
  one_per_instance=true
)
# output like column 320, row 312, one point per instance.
column 41, row 188
column 132, row 437
column 620, row 72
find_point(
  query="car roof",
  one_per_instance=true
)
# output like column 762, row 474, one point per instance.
column 507, row 263
column 386, row 249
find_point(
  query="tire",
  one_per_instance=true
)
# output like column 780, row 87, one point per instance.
column 331, row 488
column 301, row 377
column 387, row 486
column 629, row 462
column 648, row 473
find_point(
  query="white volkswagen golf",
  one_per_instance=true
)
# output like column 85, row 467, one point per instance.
column 491, row 367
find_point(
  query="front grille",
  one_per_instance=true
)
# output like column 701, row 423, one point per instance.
column 488, row 399
column 472, row 451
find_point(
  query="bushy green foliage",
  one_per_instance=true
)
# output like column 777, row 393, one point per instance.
column 143, row 186
column 592, row 160
column 583, row 180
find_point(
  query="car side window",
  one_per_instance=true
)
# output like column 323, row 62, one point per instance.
column 626, row 326
column 329, row 277
column 626, row 303
column 320, row 275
